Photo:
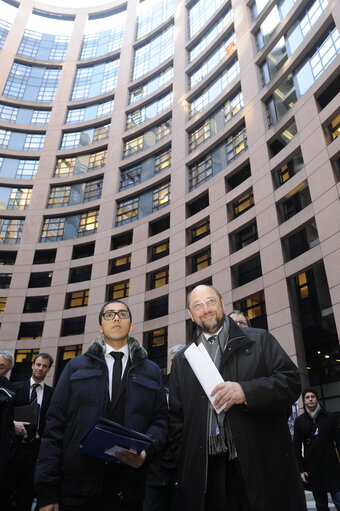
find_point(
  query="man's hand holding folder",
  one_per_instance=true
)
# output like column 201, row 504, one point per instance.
column 113, row 442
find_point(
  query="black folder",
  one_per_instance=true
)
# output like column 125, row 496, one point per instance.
column 27, row 413
column 106, row 437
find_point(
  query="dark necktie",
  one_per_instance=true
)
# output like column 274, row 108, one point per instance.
column 212, row 339
column 117, row 373
column 34, row 397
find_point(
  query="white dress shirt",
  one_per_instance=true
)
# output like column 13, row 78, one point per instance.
column 110, row 361
column 40, row 390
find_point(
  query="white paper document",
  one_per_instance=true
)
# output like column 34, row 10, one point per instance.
column 204, row 369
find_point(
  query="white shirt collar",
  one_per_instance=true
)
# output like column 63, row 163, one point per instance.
column 207, row 336
column 40, row 383
column 124, row 349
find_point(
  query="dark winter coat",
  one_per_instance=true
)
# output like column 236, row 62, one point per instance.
column 320, row 460
column 7, row 433
column 80, row 398
column 271, row 385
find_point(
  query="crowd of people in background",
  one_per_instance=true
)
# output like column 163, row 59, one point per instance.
column 230, row 449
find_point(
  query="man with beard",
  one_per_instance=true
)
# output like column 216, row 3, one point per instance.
column 241, row 459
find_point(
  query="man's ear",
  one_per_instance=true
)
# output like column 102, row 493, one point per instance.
column 191, row 316
column 100, row 328
column 132, row 327
column 223, row 307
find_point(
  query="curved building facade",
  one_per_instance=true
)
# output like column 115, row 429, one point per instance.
column 148, row 146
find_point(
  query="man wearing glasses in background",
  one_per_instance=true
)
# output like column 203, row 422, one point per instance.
column 241, row 459
column 240, row 318
column 89, row 388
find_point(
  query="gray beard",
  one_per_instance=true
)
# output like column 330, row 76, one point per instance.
column 212, row 329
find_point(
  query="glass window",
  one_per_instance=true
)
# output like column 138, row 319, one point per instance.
column 80, row 164
column 161, row 197
column 127, row 211
column 88, row 223
column 227, row 47
column 82, row 138
column 243, row 204
column 151, row 54
column 89, row 113
column 32, row 83
column 40, row 46
column 159, row 251
column 5, row 280
column 200, row 12
column 120, row 264
column 147, row 112
column 11, row 230
column 95, row 80
column 150, row 86
column 15, row 198
column 159, row 278
column 199, row 231
column 201, row 260
column 147, row 139
column 77, row 299
column 118, row 291
column 213, row 90
column 207, row 38
column 154, row 16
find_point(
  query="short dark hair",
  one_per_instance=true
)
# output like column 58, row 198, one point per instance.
column 44, row 355
column 243, row 314
column 206, row 285
column 101, row 312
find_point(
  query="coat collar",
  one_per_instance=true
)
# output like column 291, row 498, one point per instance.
column 97, row 349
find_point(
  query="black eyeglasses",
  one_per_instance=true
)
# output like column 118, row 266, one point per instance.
column 110, row 315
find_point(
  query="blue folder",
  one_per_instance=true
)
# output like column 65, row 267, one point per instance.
column 106, row 437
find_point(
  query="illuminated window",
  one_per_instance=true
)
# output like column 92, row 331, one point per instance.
column 127, row 211
column 159, row 251
column 161, row 197
column 77, row 299
column 302, row 285
column 88, row 223
column 22, row 369
column 334, row 128
column 120, row 264
column 243, row 204
column 65, row 353
column 3, row 301
column 119, row 290
column 163, row 160
column 19, row 198
column 11, row 230
column 157, row 345
column 255, row 308
column 159, row 278
column 201, row 260
column 200, row 231
column 80, row 164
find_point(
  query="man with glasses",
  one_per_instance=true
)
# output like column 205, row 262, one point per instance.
column 114, row 379
column 240, row 318
column 242, row 458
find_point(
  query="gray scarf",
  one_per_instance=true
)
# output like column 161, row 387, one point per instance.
column 220, row 438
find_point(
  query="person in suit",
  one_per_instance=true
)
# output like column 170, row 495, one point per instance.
column 28, row 436
column 7, row 435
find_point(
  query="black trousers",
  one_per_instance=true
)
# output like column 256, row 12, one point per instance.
column 225, row 486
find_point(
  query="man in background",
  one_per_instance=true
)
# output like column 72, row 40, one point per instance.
column 318, row 432
column 7, row 434
column 241, row 319
column 28, row 437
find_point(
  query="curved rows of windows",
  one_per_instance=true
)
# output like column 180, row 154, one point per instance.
column 200, row 13
column 131, row 176
column 88, row 113
column 85, row 137
column 140, row 91
column 77, row 193
column 69, row 227
column 147, row 139
column 19, row 169
column 147, row 112
column 16, row 140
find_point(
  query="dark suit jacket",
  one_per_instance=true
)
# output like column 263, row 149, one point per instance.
column 22, row 397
